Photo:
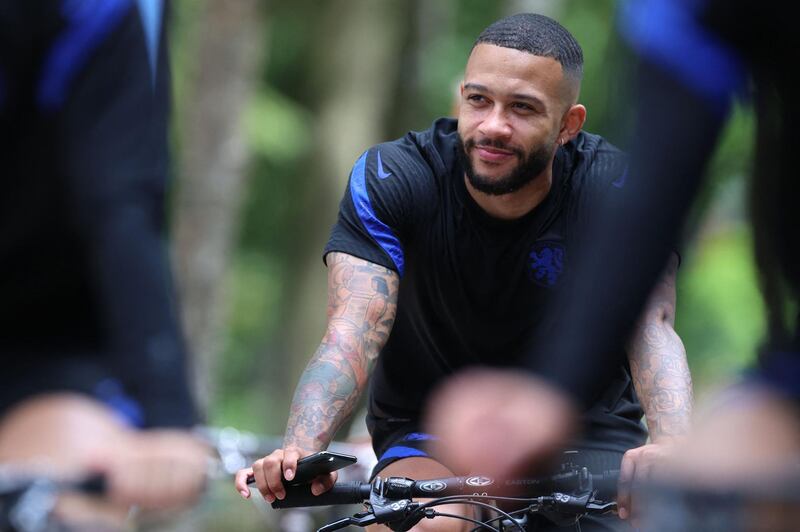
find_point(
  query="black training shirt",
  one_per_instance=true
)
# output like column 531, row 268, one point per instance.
column 474, row 289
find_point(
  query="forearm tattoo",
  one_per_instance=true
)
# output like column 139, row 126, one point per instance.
column 658, row 364
column 362, row 303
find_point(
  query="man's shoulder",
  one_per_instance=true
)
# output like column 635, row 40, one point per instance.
column 438, row 143
column 595, row 162
column 417, row 159
column 592, row 146
column 434, row 147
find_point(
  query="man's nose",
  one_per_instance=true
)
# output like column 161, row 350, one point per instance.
column 496, row 124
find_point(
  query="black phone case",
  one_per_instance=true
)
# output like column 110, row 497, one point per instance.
column 320, row 463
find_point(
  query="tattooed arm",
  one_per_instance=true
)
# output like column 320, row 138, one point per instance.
column 658, row 364
column 362, row 301
column 663, row 383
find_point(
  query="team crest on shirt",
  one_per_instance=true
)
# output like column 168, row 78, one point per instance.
column 546, row 263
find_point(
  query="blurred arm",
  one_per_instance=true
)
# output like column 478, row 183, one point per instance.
column 673, row 139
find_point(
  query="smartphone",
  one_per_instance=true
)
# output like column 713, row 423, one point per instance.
column 320, row 463
column 314, row 465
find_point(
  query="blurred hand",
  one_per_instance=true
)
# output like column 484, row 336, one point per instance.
column 498, row 422
column 270, row 471
column 638, row 466
column 747, row 435
column 745, row 441
column 155, row 469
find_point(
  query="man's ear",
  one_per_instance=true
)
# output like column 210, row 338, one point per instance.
column 572, row 123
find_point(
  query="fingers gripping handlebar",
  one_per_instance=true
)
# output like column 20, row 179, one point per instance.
column 340, row 493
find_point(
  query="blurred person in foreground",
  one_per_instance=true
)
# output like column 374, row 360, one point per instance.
column 695, row 56
column 448, row 249
column 93, row 377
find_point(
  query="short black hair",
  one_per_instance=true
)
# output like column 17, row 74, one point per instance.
column 537, row 35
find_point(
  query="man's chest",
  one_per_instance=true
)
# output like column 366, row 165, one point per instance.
column 492, row 270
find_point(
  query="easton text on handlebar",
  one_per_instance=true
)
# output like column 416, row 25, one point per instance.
column 563, row 498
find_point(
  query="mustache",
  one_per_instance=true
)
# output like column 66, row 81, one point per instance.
column 493, row 143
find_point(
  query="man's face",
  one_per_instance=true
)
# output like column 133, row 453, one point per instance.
column 512, row 103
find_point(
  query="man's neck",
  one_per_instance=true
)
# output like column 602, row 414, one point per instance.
column 516, row 204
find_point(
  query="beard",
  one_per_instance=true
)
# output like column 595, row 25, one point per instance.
column 526, row 171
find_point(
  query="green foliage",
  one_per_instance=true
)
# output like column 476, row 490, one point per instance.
column 444, row 64
column 592, row 25
column 720, row 314
column 731, row 162
column 735, row 148
column 277, row 128
column 253, row 289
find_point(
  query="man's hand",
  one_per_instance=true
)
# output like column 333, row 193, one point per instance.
column 155, row 469
column 499, row 422
column 270, row 471
column 638, row 466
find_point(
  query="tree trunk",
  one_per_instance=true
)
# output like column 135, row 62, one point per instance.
column 213, row 173
column 356, row 73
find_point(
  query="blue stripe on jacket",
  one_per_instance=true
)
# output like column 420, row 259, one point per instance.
column 90, row 22
column 668, row 33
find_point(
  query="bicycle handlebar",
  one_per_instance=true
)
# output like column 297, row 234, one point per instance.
column 605, row 484
column 353, row 492
column 26, row 501
column 398, row 488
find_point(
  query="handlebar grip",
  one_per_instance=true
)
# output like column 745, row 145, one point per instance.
column 606, row 485
column 341, row 493
column 93, row 485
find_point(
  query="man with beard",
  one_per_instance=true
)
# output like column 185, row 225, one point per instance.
column 476, row 220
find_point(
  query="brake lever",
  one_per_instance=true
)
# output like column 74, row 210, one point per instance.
column 394, row 514
column 361, row 519
column 31, row 511
column 601, row 508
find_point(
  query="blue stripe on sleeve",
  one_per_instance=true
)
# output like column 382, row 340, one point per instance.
column 111, row 393
column 400, row 451
column 668, row 34
column 419, row 436
column 381, row 232
column 151, row 13
column 90, row 22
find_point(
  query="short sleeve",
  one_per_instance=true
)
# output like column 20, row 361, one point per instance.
column 383, row 205
column 607, row 179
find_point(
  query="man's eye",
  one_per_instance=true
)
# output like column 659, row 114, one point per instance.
column 476, row 98
column 523, row 107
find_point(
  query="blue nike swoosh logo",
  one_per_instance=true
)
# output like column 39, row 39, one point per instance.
column 620, row 181
column 382, row 173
